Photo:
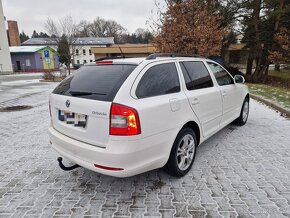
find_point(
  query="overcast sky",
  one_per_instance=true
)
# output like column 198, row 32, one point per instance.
column 32, row 14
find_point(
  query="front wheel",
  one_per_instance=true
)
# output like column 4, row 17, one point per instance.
column 182, row 154
column 242, row 119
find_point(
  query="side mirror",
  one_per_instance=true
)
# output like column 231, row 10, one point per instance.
column 239, row 79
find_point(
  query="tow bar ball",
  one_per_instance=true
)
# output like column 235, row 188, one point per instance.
column 63, row 167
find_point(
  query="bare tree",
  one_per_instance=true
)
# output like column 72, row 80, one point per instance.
column 98, row 27
column 105, row 28
column 140, row 32
column 115, row 30
column 67, row 27
column 83, row 29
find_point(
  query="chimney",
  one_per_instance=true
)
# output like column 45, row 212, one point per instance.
column 13, row 33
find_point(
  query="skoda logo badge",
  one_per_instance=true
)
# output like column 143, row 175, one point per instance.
column 67, row 103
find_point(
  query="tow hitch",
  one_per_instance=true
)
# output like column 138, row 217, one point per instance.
column 59, row 159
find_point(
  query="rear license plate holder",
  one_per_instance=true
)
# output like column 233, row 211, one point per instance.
column 72, row 118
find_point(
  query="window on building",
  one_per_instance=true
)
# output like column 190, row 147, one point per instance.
column 78, row 61
column 158, row 80
column 222, row 76
column 196, row 75
column 77, row 52
column 85, row 61
column 90, row 51
column 84, row 51
column 28, row 63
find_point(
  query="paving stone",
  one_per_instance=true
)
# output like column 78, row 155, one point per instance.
column 66, row 208
column 95, row 207
column 152, row 209
column 123, row 209
column 239, row 172
column 223, row 204
column 48, row 212
column 167, row 213
column 178, row 195
column 197, row 213
column 228, row 214
column 211, row 210
column 181, row 210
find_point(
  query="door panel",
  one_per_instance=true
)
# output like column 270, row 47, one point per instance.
column 229, row 91
column 231, row 96
column 204, row 98
column 161, row 103
column 207, row 105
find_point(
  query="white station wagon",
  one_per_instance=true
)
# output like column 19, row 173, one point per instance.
column 123, row 117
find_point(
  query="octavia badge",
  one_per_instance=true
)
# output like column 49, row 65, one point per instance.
column 67, row 103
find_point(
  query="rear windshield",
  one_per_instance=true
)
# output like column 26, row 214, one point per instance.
column 100, row 82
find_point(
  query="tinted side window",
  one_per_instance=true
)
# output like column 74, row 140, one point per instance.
column 159, row 80
column 196, row 75
column 222, row 76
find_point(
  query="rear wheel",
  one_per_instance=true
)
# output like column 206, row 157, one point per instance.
column 182, row 154
column 244, row 113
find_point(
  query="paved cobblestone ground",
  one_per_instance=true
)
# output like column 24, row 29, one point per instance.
column 240, row 172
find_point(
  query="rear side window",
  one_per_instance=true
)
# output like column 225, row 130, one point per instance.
column 159, row 80
column 100, row 82
column 222, row 76
column 196, row 75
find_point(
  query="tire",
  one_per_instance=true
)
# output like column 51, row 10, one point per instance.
column 242, row 119
column 180, row 153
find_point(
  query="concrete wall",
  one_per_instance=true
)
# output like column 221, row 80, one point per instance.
column 5, row 59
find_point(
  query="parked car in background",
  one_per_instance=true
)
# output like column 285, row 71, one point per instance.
column 127, row 116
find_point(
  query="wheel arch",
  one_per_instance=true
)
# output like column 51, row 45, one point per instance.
column 195, row 127
column 247, row 96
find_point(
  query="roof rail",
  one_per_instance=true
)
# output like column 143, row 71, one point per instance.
column 172, row 55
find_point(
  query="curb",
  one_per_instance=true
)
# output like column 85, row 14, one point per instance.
column 269, row 103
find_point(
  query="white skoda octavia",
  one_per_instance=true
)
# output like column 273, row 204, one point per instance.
column 123, row 117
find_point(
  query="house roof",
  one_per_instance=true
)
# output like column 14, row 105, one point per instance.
column 39, row 41
column 126, row 49
column 78, row 41
column 95, row 41
column 26, row 49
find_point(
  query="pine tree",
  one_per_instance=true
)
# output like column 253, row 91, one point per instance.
column 23, row 36
column 63, row 51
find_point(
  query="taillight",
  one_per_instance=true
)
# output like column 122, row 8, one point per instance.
column 124, row 121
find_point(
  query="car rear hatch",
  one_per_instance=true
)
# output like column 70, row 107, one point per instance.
column 80, row 105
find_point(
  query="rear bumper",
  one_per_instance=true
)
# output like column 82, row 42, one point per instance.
column 134, row 157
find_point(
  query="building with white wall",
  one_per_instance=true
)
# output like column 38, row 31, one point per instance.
column 5, row 59
column 82, row 52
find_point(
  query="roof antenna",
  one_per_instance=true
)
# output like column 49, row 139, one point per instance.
column 120, row 50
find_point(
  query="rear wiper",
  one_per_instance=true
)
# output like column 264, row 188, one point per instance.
column 79, row 93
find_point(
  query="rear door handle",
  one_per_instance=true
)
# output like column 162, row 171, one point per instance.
column 224, row 93
column 195, row 101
